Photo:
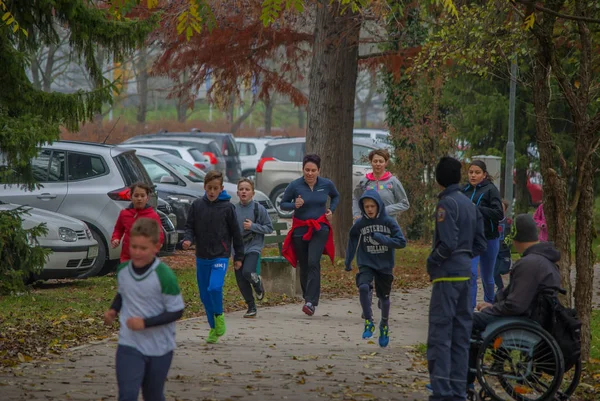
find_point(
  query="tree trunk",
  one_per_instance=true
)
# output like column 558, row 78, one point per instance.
column 584, row 256
column 301, row 117
column 238, row 123
column 521, row 192
column 333, row 74
column 142, row 85
column 268, row 115
column 49, row 68
column 556, row 205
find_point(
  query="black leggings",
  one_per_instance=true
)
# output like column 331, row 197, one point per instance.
column 247, row 278
column 309, row 257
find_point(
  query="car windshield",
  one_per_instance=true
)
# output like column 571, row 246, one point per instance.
column 184, row 168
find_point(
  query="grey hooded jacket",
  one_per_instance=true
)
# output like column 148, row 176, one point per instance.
column 390, row 190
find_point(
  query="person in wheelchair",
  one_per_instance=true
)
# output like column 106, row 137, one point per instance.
column 535, row 271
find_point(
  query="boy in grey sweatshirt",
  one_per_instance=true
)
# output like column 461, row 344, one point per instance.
column 254, row 221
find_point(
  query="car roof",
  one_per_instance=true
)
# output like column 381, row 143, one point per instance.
column 161, row 138
column 89, row 147
column 358, row 141
column 194, row 132
column 370, row 131
column 145, row 145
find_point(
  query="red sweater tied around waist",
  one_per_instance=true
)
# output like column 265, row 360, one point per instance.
column 288, row 250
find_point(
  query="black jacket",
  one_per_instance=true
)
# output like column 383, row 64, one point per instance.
column 214, row 227
column 487, row 198
column 532, row 273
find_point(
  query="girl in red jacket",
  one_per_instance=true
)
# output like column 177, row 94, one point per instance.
column 139, row 207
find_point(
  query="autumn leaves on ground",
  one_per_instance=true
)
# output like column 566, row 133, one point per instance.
column 58, row 315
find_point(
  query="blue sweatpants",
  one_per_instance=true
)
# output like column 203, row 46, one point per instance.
column 448, row 340
column 486, row 261
column 136, row 370
column 211, row 277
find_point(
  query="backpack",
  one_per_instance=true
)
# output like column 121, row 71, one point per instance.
column 561, row 322
column 249, row 236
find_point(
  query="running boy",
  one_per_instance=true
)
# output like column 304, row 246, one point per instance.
column 459, row 237
column 254, row 221
column 213, row 225
column 150, row 302
column 377, row 235
column 138, row 208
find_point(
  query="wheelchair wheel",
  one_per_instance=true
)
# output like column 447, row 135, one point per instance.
column 570, row 382
column 519, row 361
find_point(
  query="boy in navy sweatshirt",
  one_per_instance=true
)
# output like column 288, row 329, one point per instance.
column 377, row 235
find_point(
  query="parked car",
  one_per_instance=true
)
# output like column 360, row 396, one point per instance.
column 186, row 182
column 250, row 150
column 205, row 154
column 87, row 181
column 281, row 163
column 375, row 136
column 74, row 249
column 226, row 142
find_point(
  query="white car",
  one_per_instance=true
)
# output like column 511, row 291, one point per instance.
column 377, row 137
column 250, row 150
column 74, row 249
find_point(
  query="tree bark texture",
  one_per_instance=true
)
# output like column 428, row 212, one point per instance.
column 142, row 84
column 268, row 115
column 556, row 205
column 332, row 85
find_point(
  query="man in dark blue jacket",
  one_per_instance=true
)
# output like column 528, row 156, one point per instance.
column 459, row 237
column 377, row 235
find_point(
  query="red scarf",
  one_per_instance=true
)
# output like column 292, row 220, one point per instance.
column 288, row 250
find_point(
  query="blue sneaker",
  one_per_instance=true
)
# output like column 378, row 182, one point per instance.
column 384, row 336
column 429, row 388
column 369, row 329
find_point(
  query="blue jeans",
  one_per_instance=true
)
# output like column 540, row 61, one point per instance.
column 448, row 339
column 135, row 371
column 210, row 274
column 486, row 261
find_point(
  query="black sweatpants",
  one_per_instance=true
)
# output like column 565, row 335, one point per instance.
column 247, row 278
column 309, row 257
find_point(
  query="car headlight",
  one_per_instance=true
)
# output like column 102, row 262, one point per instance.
column 181, row 199
column 67, row 235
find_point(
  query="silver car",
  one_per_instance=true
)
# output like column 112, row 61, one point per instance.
column 207, row 146
column 205, row 154
column 281, row 163
column 165, row 168
column 74, row 250
column 89, row 182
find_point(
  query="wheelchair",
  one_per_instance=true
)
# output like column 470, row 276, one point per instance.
column 517, row 359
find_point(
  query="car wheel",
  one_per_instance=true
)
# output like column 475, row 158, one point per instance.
column 251, row 174
column 100, row 259
column 276, row 199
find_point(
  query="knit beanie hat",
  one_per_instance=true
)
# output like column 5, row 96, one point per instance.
column 447, row 172
column 525, row 228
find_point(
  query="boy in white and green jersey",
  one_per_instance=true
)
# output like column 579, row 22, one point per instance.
column 149, row 302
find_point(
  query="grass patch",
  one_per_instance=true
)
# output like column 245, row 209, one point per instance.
column 57, row 315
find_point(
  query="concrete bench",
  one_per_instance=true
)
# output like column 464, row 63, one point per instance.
column 278, row 276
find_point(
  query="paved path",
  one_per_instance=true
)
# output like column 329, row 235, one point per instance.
column 280, row 355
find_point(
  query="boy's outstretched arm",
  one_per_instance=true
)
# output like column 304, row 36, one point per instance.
column 263, row 225
column 236, row 235
column 353, row 238
column 396, row 238
column 189, row 224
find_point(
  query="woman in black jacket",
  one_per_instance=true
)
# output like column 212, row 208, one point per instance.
column 486, row 196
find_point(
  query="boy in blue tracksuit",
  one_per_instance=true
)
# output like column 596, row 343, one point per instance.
column 213, row 224
column 377, row 235
column 459, row 237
